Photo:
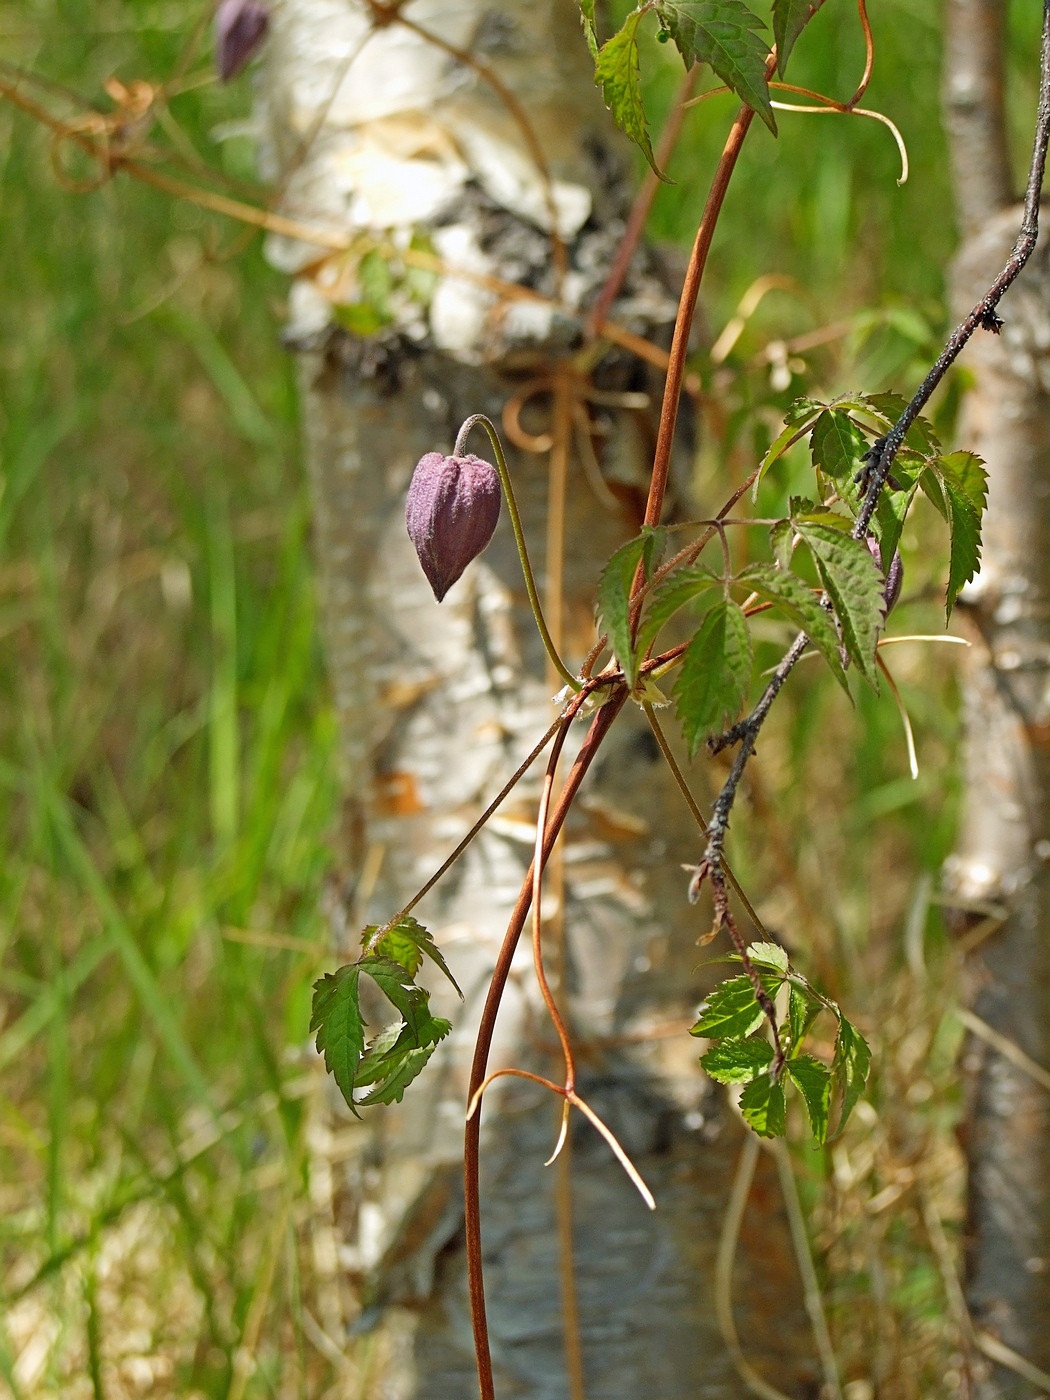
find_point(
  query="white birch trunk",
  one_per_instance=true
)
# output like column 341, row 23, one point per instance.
column 438, row 704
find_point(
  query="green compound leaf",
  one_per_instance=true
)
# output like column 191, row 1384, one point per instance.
column 407, row 942
column 737, row 1061
column 715, row 674
column 336, row 1017
column 959, row 490
column 721, row 33
column 814, row 1079
column 614, row 595
column 763, row 1106
column 790, row 596
column 679, row 588
column 400, row 1073
column 616, row 73
column 854, row 584
column 790, row 17
column 850, row 1068
column 730, row 1010
column 837, row 445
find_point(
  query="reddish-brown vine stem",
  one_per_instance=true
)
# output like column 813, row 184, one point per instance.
column 600, row 726
column 687, row 306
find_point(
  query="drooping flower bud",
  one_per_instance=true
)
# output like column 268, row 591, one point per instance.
column 452, row 509
column 240, row 27
column 894, row 578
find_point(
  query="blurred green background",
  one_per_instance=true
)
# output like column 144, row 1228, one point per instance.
column 168, row 784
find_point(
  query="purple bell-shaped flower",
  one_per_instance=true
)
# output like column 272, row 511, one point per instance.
column 452, row 509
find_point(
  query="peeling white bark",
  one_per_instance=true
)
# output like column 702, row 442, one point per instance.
column 437, row 706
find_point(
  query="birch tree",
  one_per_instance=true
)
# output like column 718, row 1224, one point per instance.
column 476, row 137
column 1000, row 867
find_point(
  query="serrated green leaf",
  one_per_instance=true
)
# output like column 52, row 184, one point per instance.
column 715, row 674
column 890, row 514
column 616, row 73
column 769, row 955
column 790, row 17
column 407, row 942
column 336, row 1017
column 782, row 542
column 814, row 1079
column 734, row 1061
column 391, row 1088
column 854, row 584
column 679, row 588
column 763, row 1106
column 850, row 1068
column 721, row 33
column 589, row 27
column 961, row 495
column 802, row 410
column 803, row 1010
column 731, row 1010
column 790, row 596
column 837, row 445
column 614, row 596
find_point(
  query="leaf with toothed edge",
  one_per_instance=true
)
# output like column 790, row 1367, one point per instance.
column 837, row 445
column 731, row 1009
column 340, row 1026
column 763, row 1106
column 614, row 596
column 721, row 33
column 958, row 486
column 790, row 596
column 616, row 73
column 790, row 17
column 716, row 672
column 406, row 942
column 850, row 1068
column 814, row 1080
column 589, row 28
column 854, row 584
column 674, row 593
column 734, row 1061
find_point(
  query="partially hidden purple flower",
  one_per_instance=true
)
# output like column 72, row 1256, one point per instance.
column 452, row 509
column 240, row 27
column 892, row 590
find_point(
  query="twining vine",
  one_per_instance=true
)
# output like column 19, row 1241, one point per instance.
column 833, row 571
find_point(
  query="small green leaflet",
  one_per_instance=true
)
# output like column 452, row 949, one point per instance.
column 798, row 418
column 790, row 17
column 890, row 514
column 721, row 33
column 960, row 492
column 614, row 595
column 734, row 1061
column 587, row 20
column 837, row 445
column 730, row 1010
column 814, row 1079
column 340, row 1029
column 763, row 1106
column 770, row 955
column 680, row 588
column 616, row 73
column 715, row 674
column 795, row 600
column 850, row 1067
column 853, row 583
column 782, row 542
column 406, row 942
